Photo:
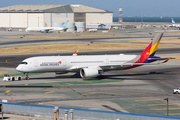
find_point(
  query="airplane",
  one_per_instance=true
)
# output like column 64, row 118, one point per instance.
column 92, row 66
column 174, row 24
column 46, row 29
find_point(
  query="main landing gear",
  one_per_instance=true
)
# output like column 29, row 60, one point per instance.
column 101, row 77
column 26, row 78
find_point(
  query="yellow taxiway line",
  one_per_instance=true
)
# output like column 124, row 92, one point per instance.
column 69, row 84
column 173, row 114
column 8, row 91
column 148, row 100
column 168, row 109
column 158, row 104
column 49, row 92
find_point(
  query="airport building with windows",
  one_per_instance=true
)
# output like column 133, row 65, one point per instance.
column 23, row 16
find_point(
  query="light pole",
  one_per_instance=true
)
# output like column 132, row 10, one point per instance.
column 141, row 17
column 38, row 21
column 167, row 105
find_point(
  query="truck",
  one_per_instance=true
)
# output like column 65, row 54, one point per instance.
column 8, row 77
column 176, row 91
column 92, row 30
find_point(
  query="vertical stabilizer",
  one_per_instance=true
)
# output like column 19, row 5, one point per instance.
column 173, row 22
column 150, row 50
column 65, row 24
column 155, row 44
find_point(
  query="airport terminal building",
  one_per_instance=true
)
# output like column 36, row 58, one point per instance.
column 23, row 16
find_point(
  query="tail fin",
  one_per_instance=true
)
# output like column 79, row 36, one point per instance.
column 75, row 53
column 150, row 50
column 155, row 44
column 65, row 24
column 173, row 22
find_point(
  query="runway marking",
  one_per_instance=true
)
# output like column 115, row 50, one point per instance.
column 52, row 83
column 134, row 73
column 174, row 103
column 148, row 100
column 123, row 80
column 100, row 93
column 171, row 72
column 164, row 81
column 173, row 114
column 85, row 81
column 69, row 84
column 171, row 83
column 168, row 109
column 156, row 77
column 158, row 104
column 8, row 91
column 89, row 93
column 49, row 92
column 10, row 59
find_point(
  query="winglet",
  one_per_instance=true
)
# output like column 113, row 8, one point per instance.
column 75, row 53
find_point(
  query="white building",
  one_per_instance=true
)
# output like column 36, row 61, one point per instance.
column 23, row 16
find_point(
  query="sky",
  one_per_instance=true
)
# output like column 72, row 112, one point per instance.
column 131, row 8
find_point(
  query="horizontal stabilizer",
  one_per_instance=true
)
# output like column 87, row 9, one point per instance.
column 152, row 59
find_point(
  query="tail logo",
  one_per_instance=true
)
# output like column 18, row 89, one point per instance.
column 59, row 62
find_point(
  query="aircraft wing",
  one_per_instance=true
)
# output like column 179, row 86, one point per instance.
column 46, row 29
column 125, row 65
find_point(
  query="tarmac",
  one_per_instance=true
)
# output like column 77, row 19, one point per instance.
column 21, row 117
column 140, row 90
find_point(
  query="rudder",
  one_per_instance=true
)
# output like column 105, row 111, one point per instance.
column 150, row 50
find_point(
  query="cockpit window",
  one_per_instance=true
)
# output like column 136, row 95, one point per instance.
column 25, row 63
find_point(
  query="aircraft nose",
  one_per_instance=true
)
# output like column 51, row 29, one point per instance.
column 19, row 68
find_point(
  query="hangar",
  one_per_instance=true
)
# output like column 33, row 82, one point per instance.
column 23, row 16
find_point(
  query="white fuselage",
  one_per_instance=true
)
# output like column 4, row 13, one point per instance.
column 177, row 25
column 71, row 63
column 29, row 29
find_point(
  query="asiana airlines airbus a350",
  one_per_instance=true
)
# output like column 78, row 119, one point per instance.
column 91, row 66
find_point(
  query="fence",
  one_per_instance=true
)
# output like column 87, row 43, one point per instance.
column 28, row 109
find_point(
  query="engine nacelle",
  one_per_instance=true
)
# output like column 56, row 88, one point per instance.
column 42, row 31
column 88, row 73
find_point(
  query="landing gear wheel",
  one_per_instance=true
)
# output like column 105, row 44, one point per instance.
column 101, row 77
column 176, row 92
column 26, row 78
column 13, row 79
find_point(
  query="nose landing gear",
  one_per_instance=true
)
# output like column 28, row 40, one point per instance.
column 26, row 78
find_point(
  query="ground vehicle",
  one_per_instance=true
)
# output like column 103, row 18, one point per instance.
column 177, row 90
column 11, row 78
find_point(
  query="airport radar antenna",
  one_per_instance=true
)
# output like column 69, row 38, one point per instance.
column 120, row 15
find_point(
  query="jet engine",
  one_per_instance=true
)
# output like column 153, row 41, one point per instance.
column 42, row 31
column 88, row 73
